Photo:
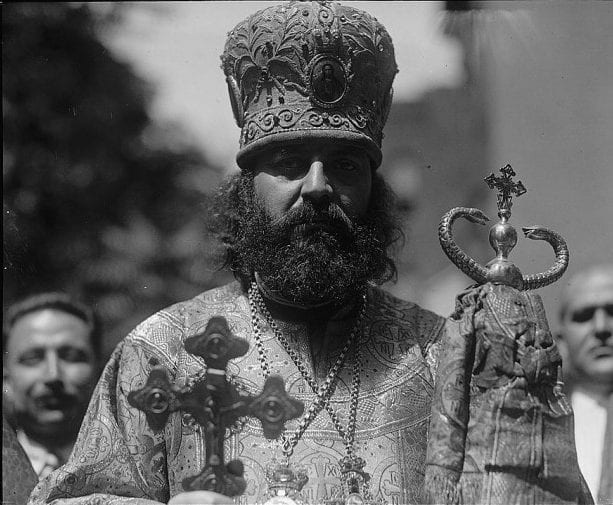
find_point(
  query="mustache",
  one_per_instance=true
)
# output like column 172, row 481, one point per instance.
column 55, row 399
column 53, row 389
column 333, row 215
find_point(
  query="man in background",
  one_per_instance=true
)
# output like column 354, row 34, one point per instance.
column 51, row 364
column 586, row 344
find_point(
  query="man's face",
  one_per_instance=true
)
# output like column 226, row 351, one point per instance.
column 319, row 172
column 587, row 328
column 310, row 229
column 50, row 372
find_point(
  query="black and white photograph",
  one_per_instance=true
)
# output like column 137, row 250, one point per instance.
column 307, row 252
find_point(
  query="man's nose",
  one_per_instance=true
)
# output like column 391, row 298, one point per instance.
column 53, row 372
column 603, row 324
column 315, row 185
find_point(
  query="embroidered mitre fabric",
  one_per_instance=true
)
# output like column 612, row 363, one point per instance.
column 118, row 455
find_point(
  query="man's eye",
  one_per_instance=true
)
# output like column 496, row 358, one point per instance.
column 287, row 164
column 30, row 359
column 346, row 165
column 73, row 355
column 584, row 315
column 291, row 162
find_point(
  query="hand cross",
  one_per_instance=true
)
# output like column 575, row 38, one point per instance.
column 216, row 404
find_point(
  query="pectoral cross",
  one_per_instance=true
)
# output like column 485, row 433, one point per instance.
column 216, row 404
column 506, row 188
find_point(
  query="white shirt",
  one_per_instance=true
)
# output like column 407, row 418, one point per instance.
column 590, row 425
column 43, row 461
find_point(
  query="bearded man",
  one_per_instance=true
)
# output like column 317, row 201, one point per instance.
column 307, row 227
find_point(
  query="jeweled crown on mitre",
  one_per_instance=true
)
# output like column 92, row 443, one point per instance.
column 306, row 70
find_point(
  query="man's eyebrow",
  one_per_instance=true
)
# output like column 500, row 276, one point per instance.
column 30, row 350
column 282, row 152
column 346, row 152
column 594, row 306
column 347, row 149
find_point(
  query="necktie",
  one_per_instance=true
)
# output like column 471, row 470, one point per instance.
column 605, row 489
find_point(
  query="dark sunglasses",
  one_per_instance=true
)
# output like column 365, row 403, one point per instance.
column 586, row 313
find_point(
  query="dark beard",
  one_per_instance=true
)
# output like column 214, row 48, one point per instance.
column 311, row 256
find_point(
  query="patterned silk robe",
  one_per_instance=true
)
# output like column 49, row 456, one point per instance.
column 119, row 459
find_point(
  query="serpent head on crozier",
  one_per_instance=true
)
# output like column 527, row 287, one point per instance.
column 503, row 238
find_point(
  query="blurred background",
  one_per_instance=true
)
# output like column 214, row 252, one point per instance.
column 117, row 129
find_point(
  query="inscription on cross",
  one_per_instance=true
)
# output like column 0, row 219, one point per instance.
column 506, row 189
column 216, row 404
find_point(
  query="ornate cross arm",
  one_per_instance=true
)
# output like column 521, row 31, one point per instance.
column 273, row 407
column 216, row 404
column 503, row 238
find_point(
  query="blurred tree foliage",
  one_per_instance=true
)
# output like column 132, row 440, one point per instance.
column 96, row 200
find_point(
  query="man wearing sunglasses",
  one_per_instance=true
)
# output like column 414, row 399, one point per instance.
column 586, row 344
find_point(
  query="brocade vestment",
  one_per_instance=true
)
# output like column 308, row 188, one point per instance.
column 118, row 455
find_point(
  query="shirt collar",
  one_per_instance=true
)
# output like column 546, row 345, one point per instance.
column 43, row 461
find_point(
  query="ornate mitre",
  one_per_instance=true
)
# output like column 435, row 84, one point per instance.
column 309, row 70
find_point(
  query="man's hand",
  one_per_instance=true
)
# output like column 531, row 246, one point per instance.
column 200, row 498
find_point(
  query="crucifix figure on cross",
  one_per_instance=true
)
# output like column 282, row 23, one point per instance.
column 506, row 188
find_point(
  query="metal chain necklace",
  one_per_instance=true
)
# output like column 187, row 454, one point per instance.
column 354, row 478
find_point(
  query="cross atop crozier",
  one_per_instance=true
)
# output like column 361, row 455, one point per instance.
column 506, row 189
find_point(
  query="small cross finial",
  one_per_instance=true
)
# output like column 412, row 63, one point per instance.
column 506, row 189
